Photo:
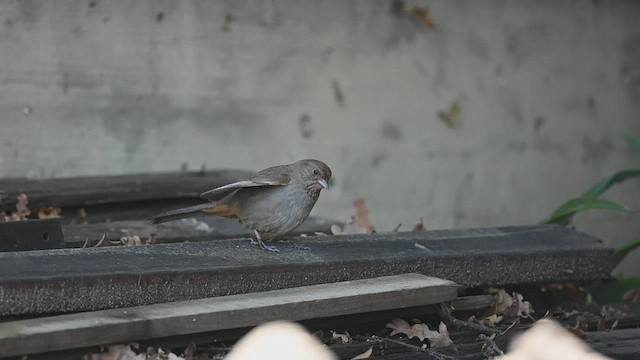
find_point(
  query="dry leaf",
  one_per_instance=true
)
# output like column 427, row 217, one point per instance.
column 420, row 226
column 360, row 223
column 21, row 207
column 525, row 309
column 129, row 240
column 361, row 218
column 441, row 337
column 116, row 352
column 512, row 305
column 421, row 331
column 344, row 338
column 504, row 302
column 364, row 355
column 492, row 320
column 49, row 212
column 399, row 326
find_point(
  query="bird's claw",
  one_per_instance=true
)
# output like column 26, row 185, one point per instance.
column 298, row 246
column 266, row 247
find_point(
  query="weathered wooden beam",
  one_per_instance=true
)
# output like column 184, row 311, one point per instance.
column 31, row 235
column 227, row 312
column 191, row 229
column 92, row 190
column 99, row 278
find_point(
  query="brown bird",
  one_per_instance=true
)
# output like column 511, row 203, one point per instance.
column 270, row 204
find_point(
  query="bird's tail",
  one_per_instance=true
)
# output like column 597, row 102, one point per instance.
column 180, row 213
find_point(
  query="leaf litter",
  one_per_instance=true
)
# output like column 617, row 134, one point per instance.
column 437, row 338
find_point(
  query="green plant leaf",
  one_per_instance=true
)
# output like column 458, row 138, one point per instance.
column 573, row 206
column 633, row 141
column 613, row 291
column 602, row 186
column 625, row 249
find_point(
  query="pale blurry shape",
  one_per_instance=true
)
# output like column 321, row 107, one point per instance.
column 280, row 340
column 547, row 340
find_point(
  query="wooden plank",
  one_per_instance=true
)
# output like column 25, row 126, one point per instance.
column 228, row 312
column 31, row 235
column 102, row 278
column 91, row 190
column 192, row 229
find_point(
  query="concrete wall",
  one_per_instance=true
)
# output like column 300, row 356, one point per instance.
column 545, row 88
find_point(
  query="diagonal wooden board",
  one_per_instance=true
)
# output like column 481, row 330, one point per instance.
column 227, row 312
column 74, row 280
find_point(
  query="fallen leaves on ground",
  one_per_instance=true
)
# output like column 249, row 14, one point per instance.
column 128, row 240
column 135, row 240
column 359, row 224
column 22, row 210
column 126, row 352
column 511, row 306
column 49, row 212
column 437, row 338
column 491, row 320
column 21, row 206
column 343, row 338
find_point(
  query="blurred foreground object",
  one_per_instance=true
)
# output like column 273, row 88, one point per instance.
column 280, row 340
column 547, row 340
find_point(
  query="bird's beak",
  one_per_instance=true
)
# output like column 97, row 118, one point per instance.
column 323, row 183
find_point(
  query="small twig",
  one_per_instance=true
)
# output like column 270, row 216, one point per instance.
column 397, row 228
column 465, row 325
column 104, row 236
column 517, row 321
column 490, row 349
column 86, row 242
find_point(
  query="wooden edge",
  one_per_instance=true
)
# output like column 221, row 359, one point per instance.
column 473, row 302
column 227, row 312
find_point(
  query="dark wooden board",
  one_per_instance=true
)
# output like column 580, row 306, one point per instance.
column 101, row 278
column 192, row 229
column 31, row 235
column 91, row 190
column 227, row 312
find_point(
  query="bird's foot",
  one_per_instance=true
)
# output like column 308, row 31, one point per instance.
column 266, row 247
column 258, row 241
column 298, row 246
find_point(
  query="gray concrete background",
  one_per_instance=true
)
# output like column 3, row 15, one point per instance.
column 545, row 87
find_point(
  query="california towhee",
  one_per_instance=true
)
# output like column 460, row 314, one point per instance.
column 270, row 204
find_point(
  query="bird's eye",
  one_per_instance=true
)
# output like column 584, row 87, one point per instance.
column 315, row 171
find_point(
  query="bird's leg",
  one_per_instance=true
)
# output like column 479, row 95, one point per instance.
column 261, row 243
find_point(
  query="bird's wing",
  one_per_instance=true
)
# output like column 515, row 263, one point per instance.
column 273, row 176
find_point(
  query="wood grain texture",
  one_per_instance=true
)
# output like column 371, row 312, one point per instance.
column 227, row 312
column 103, row 278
